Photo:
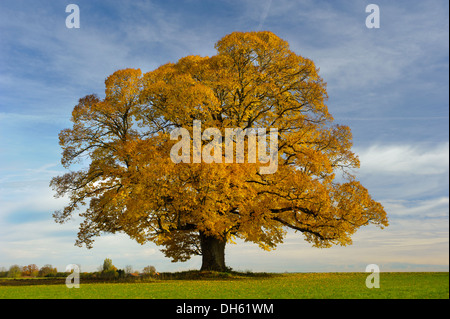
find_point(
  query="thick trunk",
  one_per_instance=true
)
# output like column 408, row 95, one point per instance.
column 213, row 253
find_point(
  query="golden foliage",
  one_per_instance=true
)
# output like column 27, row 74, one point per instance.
column 131, row 185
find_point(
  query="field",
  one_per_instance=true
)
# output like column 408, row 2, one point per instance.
column 254, row 286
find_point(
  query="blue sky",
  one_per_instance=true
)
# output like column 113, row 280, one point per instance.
column 390, row 85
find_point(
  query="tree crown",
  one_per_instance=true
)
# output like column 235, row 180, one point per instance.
column 254, row 81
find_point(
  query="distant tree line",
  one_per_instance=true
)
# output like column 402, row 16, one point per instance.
column 105, row 271
column 16, row 271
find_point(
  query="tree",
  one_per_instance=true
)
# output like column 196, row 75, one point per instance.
column 128, row 270
column 30, row 270
column 109, row 271
column 108, row 265
column 14, row 271
column 47, row 270
column 149, row 270
column 131, row 185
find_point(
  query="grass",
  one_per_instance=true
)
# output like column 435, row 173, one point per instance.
column 194, row 285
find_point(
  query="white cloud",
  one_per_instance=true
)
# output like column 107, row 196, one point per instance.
column 411, row 172
column 404, row 159
column 420, row 209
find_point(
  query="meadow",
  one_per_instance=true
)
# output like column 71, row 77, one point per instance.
column 399, row 285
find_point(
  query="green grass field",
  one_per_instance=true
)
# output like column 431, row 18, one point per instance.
column 270, row 286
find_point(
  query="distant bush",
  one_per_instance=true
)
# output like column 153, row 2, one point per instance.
column 48, row 271
column 89, row 275
column 15, row 271
column 109, row 271
column 121, row 273
column 3, row 272
column 109, row 274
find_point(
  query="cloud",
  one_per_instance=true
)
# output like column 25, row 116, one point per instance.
column 404, row 159
column 412, row 172
column 419, row 209
column 359, row 57
column 264, row 14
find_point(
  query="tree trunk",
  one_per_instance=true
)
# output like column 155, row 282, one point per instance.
column 213, row 253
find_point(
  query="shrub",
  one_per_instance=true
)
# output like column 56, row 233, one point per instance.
column 48, row 271
column 3, row 272
column 15, row 271
column 109, row 274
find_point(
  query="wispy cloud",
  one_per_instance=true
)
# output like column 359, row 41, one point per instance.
column 405, row 172
column 404, row 159
column 265, row 13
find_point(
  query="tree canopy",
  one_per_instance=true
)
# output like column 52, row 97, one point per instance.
column 131, row 185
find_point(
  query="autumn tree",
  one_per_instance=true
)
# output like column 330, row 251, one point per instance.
column 47, row 271
column 30, row 270
column 130, row 184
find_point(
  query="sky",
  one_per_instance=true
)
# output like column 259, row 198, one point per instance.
column 388, row 84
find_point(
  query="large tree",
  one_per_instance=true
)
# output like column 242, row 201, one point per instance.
column 131, row 184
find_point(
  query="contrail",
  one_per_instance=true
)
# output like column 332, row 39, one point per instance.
column 264, row 14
